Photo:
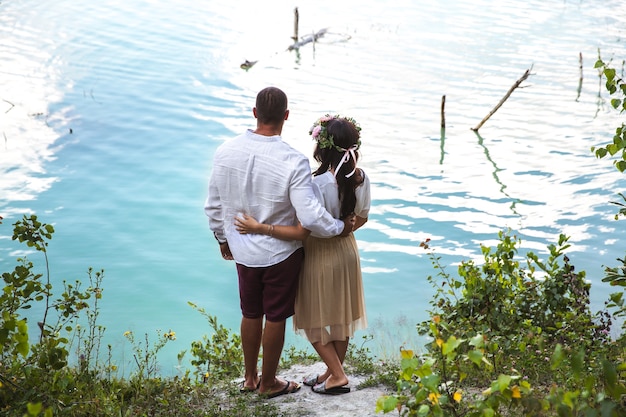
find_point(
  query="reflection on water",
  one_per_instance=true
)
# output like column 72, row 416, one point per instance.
column 111, row 111
column 29, row 82
column 27, row 141
column 495, row 174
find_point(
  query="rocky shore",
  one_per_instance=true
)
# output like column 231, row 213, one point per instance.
column 356, row 403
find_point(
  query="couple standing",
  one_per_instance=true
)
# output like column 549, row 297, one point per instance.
column 266, row 212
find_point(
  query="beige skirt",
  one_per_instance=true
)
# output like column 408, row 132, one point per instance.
column 330, row 304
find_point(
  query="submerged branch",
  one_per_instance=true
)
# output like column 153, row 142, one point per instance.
column 443, row 111
column 506, row 96
column 12, row 105
column 307, row 39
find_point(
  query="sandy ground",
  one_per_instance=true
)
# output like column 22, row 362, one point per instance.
column 357, row 403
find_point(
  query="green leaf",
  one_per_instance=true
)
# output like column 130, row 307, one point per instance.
column 578, row 364
column 610, row 374
column 386, row 404
column 33, row 409
column 451, row 345
column 475, row 356
column 424, row 410
column 501, row 383
column 477, row 341
column 488, row 412
column 607, row 408
column 431, row 382
column 609, row 73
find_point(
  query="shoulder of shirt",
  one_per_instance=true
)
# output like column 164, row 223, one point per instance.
column 279, row 143
column 324, row 179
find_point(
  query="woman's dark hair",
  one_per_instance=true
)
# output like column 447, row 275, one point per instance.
column 344, row 135
column 271, row 105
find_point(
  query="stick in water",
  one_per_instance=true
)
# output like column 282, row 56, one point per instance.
column 513, row 87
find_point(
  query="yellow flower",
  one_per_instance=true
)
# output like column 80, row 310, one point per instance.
column 406, row 354
column 113, row 368
column 434, row 397
column 516, row 392
column 436, row 319
column 439, row 342
column 127, row 333
column 457, row 396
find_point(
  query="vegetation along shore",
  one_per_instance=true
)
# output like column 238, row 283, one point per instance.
column 511, row 335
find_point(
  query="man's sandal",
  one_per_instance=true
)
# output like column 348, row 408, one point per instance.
column 290, row 388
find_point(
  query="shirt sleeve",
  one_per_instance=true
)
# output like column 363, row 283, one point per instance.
column 213, row 209
column 309, row 210
column 363, row 198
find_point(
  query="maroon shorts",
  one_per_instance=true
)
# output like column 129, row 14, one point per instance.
column 270, row 290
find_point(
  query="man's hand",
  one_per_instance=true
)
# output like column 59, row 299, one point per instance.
column 348, row 225
column 225, row 249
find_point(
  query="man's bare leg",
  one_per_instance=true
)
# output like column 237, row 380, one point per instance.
column 251, row 336
column 273, row 341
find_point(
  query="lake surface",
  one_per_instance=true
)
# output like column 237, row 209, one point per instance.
column 111, row 111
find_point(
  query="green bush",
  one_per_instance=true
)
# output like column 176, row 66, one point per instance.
column 616, row 87
column 524, row 332
column 62, row 371
column 219, row 357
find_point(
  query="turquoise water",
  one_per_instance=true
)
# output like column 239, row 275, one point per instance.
column 111, row 111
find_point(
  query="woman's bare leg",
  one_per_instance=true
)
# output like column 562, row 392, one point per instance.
column 334, row 375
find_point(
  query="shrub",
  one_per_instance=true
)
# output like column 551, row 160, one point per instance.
column 531, row 342
column 43, row 377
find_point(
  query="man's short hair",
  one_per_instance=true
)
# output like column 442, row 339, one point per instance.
column 271, row 105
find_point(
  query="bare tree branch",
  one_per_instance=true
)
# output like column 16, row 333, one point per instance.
column 506, row 96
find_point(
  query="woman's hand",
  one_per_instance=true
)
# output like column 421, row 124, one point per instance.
column 247, row 224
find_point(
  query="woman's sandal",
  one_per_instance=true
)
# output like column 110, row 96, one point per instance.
column 321, row 389
column 311, row 380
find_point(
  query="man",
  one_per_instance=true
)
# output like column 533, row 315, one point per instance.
column 258, row 174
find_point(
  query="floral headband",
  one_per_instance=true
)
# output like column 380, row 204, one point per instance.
column 319, row 132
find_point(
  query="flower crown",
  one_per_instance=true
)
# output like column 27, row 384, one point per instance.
column 319, row 132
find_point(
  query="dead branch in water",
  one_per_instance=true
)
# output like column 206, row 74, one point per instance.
column 580, row 80
column 296, row 19
column 443, row 112
column 246, row 65
column 12, row 105
column 307, row 39
column 506, row 96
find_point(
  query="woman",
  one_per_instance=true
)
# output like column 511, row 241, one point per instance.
column 330, row 304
